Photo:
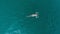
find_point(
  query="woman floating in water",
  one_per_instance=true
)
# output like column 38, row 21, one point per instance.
column 36, row 15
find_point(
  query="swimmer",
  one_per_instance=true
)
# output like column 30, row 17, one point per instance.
column 34, row 15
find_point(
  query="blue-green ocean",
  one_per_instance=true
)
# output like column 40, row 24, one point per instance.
column 13, row 18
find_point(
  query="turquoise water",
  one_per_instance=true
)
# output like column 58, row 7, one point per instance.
column 13, row 18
